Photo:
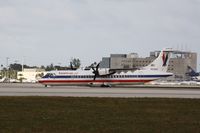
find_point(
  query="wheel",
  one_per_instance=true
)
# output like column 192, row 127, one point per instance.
column 90, row 84
column 105, row 85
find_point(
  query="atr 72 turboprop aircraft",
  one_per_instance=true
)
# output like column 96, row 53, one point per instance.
column 108, row 77
column 193, row 74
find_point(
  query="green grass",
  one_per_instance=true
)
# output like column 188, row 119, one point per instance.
column 98, row 115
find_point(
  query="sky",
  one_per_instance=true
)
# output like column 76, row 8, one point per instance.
column 42, row 32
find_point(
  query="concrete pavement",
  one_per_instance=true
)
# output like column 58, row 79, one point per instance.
column 77, row 91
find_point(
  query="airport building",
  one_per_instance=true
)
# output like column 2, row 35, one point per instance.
column 30, row 75
column 178, row 63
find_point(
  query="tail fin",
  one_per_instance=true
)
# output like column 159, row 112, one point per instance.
column 161, row 62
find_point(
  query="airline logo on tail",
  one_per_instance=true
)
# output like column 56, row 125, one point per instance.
column 165, row 58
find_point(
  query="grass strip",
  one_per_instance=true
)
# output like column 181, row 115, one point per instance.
column 98, row 115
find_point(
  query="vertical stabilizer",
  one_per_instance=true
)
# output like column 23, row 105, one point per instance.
column 161, row 62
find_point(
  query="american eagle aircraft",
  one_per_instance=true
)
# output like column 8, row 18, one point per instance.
column 193, row 74
column 108, row 77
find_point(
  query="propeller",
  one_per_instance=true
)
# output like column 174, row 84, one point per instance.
column 71, row 66
column 95, row 71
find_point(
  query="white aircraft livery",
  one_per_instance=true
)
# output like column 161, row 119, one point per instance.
column 108, row 77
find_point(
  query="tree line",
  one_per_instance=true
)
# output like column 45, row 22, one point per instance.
column 75, row 63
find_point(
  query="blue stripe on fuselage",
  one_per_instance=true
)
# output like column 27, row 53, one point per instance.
column 112, row 76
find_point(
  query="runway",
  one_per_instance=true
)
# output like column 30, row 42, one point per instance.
column 121, row 92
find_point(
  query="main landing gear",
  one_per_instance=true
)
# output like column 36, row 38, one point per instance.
column 106, row 85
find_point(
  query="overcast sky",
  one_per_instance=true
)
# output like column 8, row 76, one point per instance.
column 53, row 31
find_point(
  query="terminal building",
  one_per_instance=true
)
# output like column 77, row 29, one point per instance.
column 30, row 74
column 178, row 63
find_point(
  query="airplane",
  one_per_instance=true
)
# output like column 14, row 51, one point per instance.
column 193, row 74
column 2, row 80
column 110, row 77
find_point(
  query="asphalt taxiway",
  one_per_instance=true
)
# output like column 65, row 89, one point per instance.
column 122, row 92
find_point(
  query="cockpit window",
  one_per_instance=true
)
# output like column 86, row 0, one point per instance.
column 49, row 75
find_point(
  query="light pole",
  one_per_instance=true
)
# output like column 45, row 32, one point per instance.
column 15, row 70
column 8, row 70
column 23, row 63
column 7, row 59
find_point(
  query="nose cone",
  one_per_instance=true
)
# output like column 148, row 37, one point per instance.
column 40, row 80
